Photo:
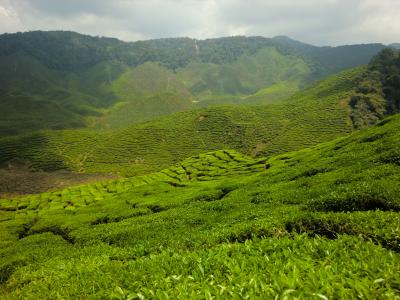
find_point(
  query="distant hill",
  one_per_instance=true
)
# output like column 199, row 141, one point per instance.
column 395, row 45
column 59, row 80
column 333, row 59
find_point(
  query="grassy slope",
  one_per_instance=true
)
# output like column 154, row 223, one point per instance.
column 145, row 92
column 20, row 110
column 305, row 227
column 315, row 115
column 245, row 76
column 35, row 97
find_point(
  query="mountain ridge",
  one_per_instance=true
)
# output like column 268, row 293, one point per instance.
column 49, row 75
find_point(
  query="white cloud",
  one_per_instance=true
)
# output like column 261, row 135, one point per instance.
column 313, row 21
column 9, row 19
column 7, row 12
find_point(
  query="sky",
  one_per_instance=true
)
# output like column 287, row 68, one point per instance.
column 318, row 22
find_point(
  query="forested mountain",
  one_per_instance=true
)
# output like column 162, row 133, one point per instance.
column 63, row 50
column 333, row 59
column 59, row 80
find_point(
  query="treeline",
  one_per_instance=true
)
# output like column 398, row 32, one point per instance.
column 70, row 51
column 377, row 89
column 387, row 64
column 64, row 50
column 59, row 50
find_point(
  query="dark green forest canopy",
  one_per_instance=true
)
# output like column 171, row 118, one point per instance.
column 377, row 92
column 387, row 64
column 69, row 50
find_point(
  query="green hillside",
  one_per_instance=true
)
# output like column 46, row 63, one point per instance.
column 147, row 91
column 35, row 97
column 151, row 90
column 318, row 114
column 247, row 75
column 61, row 80
column 317, row 223
column 353, row 99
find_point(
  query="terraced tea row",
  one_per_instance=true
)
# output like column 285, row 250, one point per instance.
column 204, row 167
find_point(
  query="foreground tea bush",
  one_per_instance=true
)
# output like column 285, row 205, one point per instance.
column 358, row 196
column 266, row 268
column 317, row 223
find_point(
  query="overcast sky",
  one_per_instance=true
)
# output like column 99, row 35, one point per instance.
column 320, row 22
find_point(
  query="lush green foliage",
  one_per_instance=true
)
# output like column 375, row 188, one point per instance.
column 34, row 96
column 387, row 66
column 377, row 91
column 321, row 222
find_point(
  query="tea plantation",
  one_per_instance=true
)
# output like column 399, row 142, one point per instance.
column 318, row 114
column 318, row 223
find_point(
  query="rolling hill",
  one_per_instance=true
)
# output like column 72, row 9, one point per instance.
column 321, row 222
column 317, row 114
column 61, row 80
